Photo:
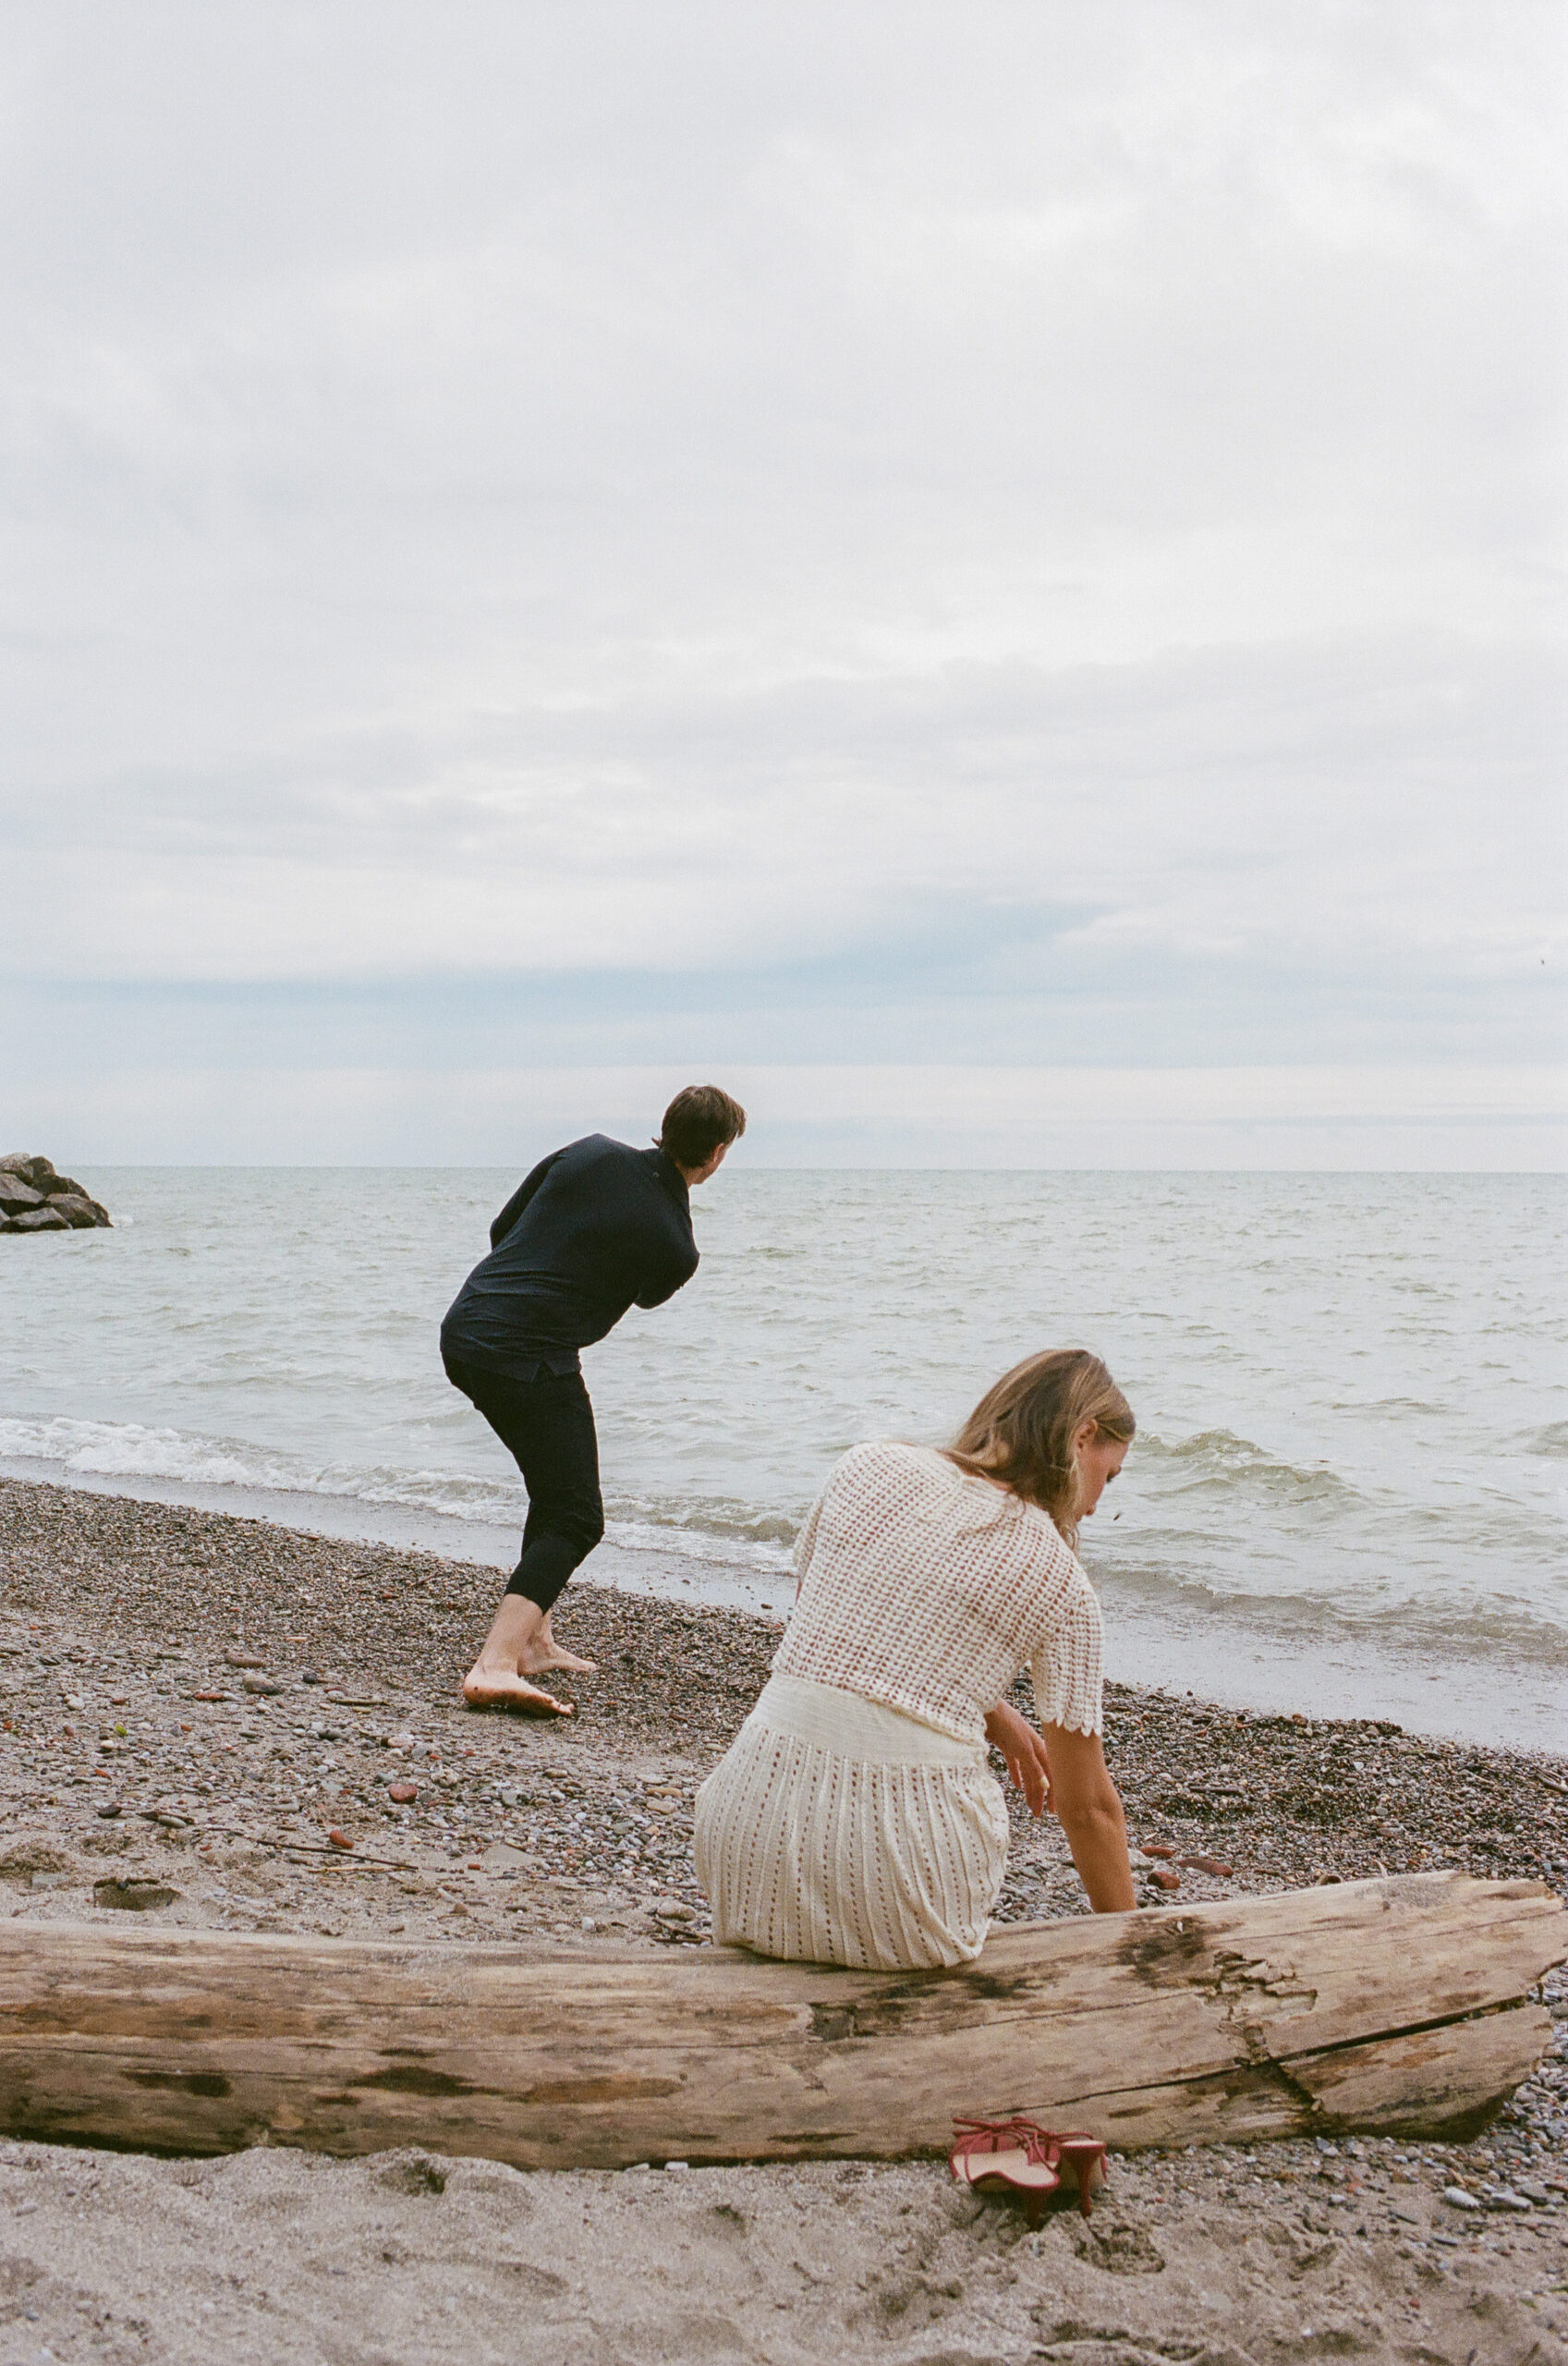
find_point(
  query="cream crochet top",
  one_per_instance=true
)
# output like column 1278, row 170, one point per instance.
column 930, row 1590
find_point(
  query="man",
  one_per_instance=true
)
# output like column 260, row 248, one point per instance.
column 595, row 1228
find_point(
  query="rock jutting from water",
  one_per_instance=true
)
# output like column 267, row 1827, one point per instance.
column 33, row 1198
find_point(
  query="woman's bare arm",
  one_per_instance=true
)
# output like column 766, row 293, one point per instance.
column 1089, row 1809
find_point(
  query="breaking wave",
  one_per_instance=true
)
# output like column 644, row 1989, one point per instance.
column 1219, row 1459
column 719, row 1532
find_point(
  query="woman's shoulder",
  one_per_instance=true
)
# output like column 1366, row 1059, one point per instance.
column 890, row 1461
column 929, row 1485
column 927, row 1472
column 895, row 1456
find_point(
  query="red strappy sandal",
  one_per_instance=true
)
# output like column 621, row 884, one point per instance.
column 1079, row 2162
column 1005, row 2155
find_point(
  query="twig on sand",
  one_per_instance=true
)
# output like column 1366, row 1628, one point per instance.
column 332, row 1854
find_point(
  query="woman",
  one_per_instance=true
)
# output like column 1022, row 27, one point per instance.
column 855, row 1819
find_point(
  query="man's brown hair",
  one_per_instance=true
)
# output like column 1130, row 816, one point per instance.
column 699, row 1118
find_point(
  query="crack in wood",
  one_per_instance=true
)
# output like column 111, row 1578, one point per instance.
column 1282, row 2068
column 183, row 2082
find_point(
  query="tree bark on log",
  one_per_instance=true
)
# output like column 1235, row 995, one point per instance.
column 1398, row 2005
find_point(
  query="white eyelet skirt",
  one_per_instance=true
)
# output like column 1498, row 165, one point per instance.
column 837, row 1829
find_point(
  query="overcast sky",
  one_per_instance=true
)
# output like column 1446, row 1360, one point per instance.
column 551, row 548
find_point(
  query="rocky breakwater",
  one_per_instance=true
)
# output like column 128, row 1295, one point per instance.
column 33, row 1198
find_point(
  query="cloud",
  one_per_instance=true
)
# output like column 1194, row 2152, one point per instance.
column 1485, row 1119
column 887, row 528
column 1318, row 821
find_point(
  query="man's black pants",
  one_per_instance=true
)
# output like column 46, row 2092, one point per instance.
column 547, row 1426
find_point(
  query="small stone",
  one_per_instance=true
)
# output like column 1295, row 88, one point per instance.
column 404, row 1793
column 339, row 1838
column 74, row 1701
column 109, row 1808
column 211, row 1696
column 1502, row 2197
column 1160, row 1849
column 1165, row 1877
column 309, row 1676
column 674, row 1913
column 1208, row 1865
column 1457, row 2199
column 400, row 1742
column 263, row 1685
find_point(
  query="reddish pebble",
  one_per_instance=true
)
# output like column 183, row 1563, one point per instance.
column 403, row 1792
column 1160, row 1849
column 1165, row 1877
column 340, row 1839
column 1208, row 1865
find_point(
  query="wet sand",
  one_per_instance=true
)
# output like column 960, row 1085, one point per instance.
column 331, row 1671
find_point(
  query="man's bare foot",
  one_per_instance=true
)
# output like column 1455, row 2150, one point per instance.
column 502, row 1688
column 542, row 1651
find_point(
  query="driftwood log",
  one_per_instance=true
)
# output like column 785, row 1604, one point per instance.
column 1399, row 2006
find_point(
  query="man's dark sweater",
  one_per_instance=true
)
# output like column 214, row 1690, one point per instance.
column 595, row 1228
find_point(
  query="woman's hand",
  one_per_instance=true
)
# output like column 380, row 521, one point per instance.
column 1027, row 1763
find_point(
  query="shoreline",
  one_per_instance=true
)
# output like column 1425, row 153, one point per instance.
column 154, row 1661
column 386, row 1633
column 1200, row 1648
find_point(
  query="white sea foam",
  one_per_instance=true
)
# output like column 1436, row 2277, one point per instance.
column 128, row 1451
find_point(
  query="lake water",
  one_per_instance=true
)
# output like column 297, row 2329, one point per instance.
column 1347, row 1494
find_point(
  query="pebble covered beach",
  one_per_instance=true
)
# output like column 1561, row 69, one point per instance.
column 228, row 1725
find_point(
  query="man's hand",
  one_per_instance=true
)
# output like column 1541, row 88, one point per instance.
column 1022, row 1748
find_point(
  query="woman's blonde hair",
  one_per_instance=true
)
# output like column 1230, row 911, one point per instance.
column 1021, row 1432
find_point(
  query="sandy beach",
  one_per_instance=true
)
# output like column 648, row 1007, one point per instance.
column 194, row 1705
